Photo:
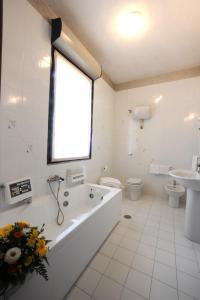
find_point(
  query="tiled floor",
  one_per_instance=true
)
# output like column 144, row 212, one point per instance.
column 145, row 257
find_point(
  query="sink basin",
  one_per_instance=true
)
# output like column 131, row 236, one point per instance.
column 187, row 178
column 191, row 180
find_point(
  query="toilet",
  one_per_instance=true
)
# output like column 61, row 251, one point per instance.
column 110, row 181
column 134, row 187
column 175, row 191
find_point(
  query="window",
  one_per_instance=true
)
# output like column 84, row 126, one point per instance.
column 70, row 112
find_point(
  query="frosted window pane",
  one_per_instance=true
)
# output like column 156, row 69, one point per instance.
column 72, row 111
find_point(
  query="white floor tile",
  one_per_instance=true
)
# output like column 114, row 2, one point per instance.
column 185, row 252
column 149, row 240
column 183, row 241
column 136, row 227
column 141, row 248
column 125, row 222
column 107, row 289
column 165, row 235
column 146, row 250
column 132, row 234
column 165, row 274
column 143, row 264
column 117, row 271
column 130, row 295
column 115, row 238
column 187, row 266
column 151, row 230
column 139, row 282
column 100, row 262
column 119, row 229
column 77, row 294
column 161, row 291
column 124, row 256
column 184, row 297
column 129, row 244
column 189, row 285
column 154, row 219
column 108, row 249
column 166, row 245
column 165, row 257
column 89, row 280
column 166, row 227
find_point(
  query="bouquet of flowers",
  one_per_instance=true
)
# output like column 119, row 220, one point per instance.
column 23, row 250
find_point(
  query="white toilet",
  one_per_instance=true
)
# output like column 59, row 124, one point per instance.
column 134, row 187
column 109, row 181
column 175, row 191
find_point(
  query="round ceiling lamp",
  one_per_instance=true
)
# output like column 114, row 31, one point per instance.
column 131, row 24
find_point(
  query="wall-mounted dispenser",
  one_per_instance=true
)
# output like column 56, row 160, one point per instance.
column 76, row 175
column 141, row 113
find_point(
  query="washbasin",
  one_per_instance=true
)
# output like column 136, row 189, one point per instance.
column 191, row 180
column 188, row 178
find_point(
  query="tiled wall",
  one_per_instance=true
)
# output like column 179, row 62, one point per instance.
column 170, row 137
column 166, row 138
column 24, row 103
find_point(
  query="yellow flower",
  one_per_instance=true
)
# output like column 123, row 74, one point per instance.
column 28, row 260
column 31, row 241
column 8, row 228
column 33, row 238
column 23, row 224
column 4, row 231
column 35, row 233
column 41, row 248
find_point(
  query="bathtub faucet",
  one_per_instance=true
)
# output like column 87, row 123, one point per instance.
column 55, row 178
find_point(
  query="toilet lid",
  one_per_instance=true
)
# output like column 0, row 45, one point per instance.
column 110, row 180
column 134, row 180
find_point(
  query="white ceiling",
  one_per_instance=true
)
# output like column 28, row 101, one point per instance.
column 171, row 41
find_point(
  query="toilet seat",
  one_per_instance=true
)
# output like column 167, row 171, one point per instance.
column 110, row 181
column 134, row 181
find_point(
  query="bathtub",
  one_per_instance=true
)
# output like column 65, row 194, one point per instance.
column 88, row 221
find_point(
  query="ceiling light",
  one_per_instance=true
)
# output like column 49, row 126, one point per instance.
column 131, row 24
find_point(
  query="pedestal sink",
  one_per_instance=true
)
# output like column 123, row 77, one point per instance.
column 191, row 180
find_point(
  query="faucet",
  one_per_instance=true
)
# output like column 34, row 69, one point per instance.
column 174, row 183
column 55, row 178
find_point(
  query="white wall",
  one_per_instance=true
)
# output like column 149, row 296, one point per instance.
column 24, row 103
column 165, row 139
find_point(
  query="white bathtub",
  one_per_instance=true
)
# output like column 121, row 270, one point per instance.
column 88, row 222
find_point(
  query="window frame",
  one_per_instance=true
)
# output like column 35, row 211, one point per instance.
column 50, row 160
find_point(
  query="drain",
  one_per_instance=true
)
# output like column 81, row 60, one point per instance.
column 127, row 216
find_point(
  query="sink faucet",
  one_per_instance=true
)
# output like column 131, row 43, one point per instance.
column 174, row 183
column 198, row 165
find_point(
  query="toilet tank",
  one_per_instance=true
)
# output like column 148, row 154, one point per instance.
column 141, row 113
